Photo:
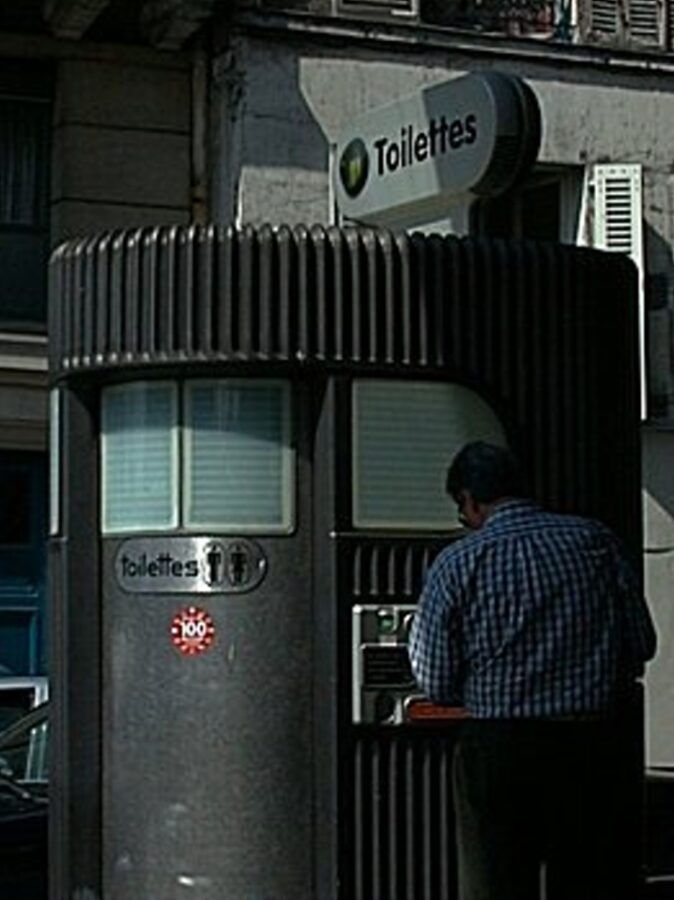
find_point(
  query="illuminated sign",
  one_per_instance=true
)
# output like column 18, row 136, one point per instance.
column 407, row 162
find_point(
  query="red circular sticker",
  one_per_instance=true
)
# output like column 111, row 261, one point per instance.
column 192, row 631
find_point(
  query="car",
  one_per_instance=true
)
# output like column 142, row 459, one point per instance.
column 23, row 790
column 19, row 694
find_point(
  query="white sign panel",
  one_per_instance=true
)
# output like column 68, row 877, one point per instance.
column 410, row 161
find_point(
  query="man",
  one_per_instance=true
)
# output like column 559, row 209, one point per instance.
column 535, row 624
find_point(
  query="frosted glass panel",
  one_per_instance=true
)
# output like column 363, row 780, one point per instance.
column 139, row 432
column 239, row 458
column 404, row 437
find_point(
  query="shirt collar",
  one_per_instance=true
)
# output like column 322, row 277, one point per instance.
column 510, row 509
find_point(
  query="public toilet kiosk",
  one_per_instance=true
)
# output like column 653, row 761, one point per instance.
column 251, row 430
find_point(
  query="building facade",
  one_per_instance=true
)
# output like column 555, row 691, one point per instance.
column 94, row 134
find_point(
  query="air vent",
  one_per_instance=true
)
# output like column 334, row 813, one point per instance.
column 378, row 9
column 385, row 665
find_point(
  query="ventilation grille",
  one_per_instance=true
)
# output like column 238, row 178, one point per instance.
column 402, row 825
column 387, row 573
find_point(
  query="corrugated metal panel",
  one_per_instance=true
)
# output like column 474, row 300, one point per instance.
column 402, row 826
column 387, row 572
column 353, row 295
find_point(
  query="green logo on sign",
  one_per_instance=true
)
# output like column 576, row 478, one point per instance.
column 354, row 167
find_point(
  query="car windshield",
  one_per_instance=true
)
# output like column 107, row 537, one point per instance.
column 23, row 750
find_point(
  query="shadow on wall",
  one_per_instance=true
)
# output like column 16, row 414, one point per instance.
column 659, row 324
column 270, row 153
column 658, row 494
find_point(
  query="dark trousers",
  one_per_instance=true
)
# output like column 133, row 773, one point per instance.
column 548, row 810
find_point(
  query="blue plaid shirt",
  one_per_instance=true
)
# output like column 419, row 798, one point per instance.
column 536, row 614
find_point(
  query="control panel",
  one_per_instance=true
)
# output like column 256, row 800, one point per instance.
column 382, row 678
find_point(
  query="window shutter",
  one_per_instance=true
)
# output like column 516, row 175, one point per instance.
column 617, row 222
column 645, row 22
column 600, row 19
column 618, row 226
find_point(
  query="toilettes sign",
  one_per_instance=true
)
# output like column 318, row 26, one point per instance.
column 409, row 161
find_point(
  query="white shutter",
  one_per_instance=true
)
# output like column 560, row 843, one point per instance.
column 618, row 226
column 617, row 221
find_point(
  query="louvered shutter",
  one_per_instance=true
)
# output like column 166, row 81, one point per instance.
column 600, row 19
column 645, row 22
column 641, row 23
column 618, row 220
column 618, row 226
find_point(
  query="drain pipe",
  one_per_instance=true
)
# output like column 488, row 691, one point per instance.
column 199, row 137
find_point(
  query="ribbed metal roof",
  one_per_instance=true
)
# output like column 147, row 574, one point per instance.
column 354, row 295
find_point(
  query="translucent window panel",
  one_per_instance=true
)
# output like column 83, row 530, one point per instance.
column 239, row 460
column 140, row 457
column 404, row 437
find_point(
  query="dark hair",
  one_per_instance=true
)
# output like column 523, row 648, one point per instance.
column 489, row 472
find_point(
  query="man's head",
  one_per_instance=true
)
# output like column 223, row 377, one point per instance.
column 481, row 476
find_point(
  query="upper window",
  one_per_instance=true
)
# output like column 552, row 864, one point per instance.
column 544, row 207
column 404, row 435
column 25, row 128
column 208, row 455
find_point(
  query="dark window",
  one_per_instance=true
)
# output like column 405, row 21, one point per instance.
column 532, row 211
column 13, row 705
column 15, row 490
column 25, row 127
